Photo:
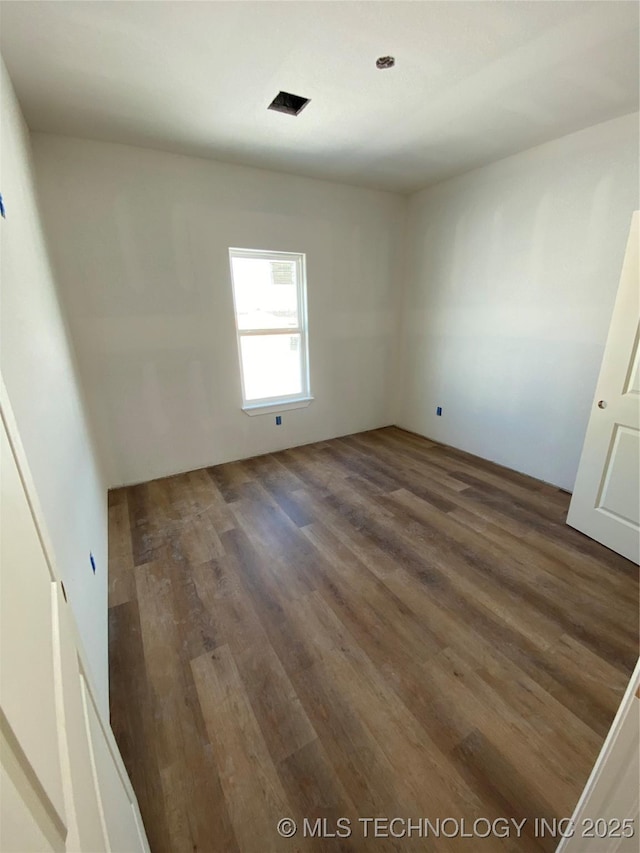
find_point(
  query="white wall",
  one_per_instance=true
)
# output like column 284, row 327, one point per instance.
column 38, row 372
column 140, row 242
column 512, row 272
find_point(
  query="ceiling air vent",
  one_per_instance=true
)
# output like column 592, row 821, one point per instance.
column 285, row 102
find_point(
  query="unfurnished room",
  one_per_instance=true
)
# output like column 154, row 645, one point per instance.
column 320, row 398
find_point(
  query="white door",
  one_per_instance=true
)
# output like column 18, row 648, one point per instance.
column 32, row 778
column 63, row 786
column 606, row 498
column 606, row 817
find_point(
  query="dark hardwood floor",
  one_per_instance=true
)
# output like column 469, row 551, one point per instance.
column 373, row 626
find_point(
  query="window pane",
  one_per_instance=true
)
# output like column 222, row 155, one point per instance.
column 271, row 366
column 266, row 293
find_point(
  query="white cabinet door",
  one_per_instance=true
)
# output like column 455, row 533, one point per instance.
column 606, row 498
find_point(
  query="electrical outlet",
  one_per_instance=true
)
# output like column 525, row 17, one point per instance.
column 439, row 411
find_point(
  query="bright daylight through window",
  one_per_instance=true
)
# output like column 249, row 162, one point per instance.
column 269, row 292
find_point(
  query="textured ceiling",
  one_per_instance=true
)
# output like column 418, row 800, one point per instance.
column 473, row 81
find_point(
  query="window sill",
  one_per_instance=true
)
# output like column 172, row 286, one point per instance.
column 274, row 408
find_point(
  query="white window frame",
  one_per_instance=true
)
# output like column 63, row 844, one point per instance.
column 267, row 405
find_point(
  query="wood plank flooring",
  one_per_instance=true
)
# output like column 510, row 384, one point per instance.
column 373, row 626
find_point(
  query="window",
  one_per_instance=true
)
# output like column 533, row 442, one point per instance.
column 269, row 294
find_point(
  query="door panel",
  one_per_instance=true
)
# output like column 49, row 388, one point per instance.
column 27, row 680
column 606, row 498
column 619, row 496
column 632, row 386
column 116, row 807
column 86, row 830
column 19, row 832
column 35, row 810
